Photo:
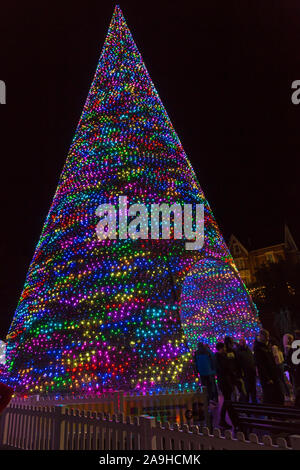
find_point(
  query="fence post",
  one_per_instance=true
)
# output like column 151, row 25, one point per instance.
column 207, row 416
column 56, row 428
column 118, row 402
column 121, row 401
column 2, row 425
column 295, row 442
column 148, row 440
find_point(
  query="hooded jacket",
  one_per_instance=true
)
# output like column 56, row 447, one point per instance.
column 246, row 360
column 204, row 362
column 265, row 362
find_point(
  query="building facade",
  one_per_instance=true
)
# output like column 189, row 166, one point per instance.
column 249, row 261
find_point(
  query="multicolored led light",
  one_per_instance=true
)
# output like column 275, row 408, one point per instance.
column 215, row 304
column 97, row 315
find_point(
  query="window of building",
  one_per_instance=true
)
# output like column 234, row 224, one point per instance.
column 236, row 250
column 270, row 257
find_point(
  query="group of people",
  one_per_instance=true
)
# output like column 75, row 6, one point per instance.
column 236, row 368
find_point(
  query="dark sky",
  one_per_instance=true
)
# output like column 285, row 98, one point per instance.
column 224, row 72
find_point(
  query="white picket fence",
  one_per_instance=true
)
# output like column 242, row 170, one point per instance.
column 29, row 427
column 173, row 406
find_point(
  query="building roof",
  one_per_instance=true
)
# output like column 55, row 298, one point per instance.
column 260, row 242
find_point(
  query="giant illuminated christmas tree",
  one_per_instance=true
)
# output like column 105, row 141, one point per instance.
column 122, row 313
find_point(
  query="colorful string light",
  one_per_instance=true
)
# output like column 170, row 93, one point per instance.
column 215, row 304
column 97, row 315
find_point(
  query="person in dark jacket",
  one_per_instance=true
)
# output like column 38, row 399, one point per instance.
column 226, row 385
column 204, row 362
column 246, row 360
column 235, row 368
column 288, row 352
column 279, row 359
column 267, row 369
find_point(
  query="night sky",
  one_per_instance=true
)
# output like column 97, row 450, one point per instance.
column 223, row 71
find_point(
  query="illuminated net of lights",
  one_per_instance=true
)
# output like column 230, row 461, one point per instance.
column 215, row 304
column 105, row 315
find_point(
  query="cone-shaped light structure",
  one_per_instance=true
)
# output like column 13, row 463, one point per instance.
column 122, row 313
